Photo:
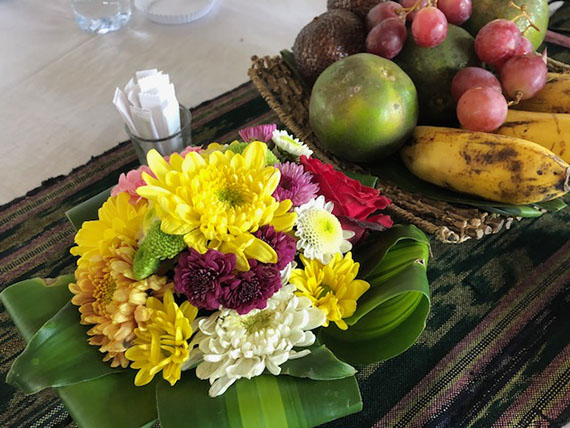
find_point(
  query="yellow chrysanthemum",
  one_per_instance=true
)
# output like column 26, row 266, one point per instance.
column 332, row 288
column 110, row 298
column 219, row 200
column 163, row 344
column 118, row 218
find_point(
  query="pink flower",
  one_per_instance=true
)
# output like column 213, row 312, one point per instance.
column 258, row 133
column 295, row 184
column 130, row 182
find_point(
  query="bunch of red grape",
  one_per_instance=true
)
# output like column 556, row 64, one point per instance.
column 481, row 105
column 386, row 23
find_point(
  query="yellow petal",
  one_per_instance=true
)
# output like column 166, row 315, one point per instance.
column 254, row 155
column 143, row 377
column 261, row 251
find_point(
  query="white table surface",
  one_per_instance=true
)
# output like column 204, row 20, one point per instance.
column 57, row 82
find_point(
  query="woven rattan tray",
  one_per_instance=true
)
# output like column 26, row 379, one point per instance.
column 451, row 223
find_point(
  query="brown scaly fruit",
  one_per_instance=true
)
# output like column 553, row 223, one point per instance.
column 360, row 7
column 326, row 39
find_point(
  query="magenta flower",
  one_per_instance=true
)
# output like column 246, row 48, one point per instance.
column 253, row 288
column 295, row 184
column 130, row 182
column 283, row 244
column 200, row 277
column 262, row 133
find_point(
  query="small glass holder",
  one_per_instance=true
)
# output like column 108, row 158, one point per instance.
column 165, row 146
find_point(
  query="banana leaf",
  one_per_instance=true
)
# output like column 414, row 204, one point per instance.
column 264, row 401
column 32, row 302
column 320, row 364
column 391, row 315
column 110, row 401
column 394, row 171
column 87, row 210
column 58, row 355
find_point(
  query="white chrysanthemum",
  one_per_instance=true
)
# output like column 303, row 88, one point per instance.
column 291, row 145
column 235, row 346
column 320, row 234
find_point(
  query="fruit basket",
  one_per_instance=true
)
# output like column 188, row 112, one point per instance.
column 284, row 92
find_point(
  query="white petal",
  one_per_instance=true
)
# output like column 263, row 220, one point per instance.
column 299, row 354
column 307, row 340
column 345, row 246
column 220, row 386
column 273, row 368
column 214, row 358
column 205, row 370
column 317, row 317
column 243, row 368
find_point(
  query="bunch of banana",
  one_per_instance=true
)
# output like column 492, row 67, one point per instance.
column 553, row 98
column 496, row 167
column 550, row 130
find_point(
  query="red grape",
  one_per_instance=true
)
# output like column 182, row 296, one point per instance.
column 524, row 47
column 456, row 11
column 387, row 38
column 382, row 11
column 410, row 3
column 473, row 77
column 523, row 76
column 497, row 41
column 482, row 109
column 429, row 27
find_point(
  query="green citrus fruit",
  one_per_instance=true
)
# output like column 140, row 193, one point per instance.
column 484, row 11
column 433, row 69
column 363, row 108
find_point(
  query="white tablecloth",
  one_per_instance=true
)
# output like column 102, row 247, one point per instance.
column 57, row 82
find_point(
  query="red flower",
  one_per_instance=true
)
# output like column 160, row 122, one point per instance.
column 354, row 203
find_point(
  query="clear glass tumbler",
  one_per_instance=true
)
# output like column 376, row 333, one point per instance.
column 176, row 142
column 101, row 16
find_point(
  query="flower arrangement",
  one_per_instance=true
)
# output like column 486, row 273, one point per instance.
column 236, row 262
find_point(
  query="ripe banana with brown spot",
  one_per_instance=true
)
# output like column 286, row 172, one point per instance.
column 550, row 130
column 495, row 167
column 553, row 98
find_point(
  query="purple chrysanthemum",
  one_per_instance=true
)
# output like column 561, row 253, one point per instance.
column 258, row 133
column 200, row 276
column 295, row 184
column 253, row 288
column 283, row 244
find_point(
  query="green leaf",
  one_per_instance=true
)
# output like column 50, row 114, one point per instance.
column 394, row 171
column 320, row 364
column 391, row 315
column 264, row 401
column 388, row 343
column 32, row 302
column 365, row 180
column 371, row 252
column 58, row 355
column 554, row 205
column 110, row 401
column 87, row 210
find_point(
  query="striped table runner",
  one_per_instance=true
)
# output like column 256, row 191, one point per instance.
column 496, row 350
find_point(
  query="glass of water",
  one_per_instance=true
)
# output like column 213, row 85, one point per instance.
column 101, row 16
